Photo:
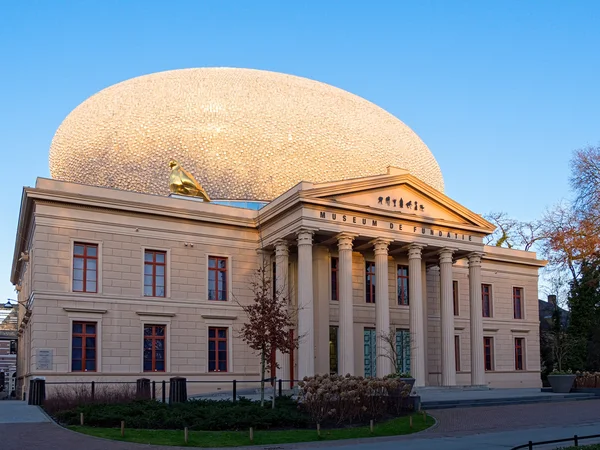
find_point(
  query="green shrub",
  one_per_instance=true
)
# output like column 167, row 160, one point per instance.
column 213, row 415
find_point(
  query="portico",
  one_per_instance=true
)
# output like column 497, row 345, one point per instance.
column 344, row 223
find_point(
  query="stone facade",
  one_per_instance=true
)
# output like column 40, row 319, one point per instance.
column 299, row 233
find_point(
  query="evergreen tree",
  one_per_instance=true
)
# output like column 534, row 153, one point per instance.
column 584, row 323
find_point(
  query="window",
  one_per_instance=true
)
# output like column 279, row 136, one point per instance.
column 370, row 281
column 274, row 279
column 333, row 350
column 519, row 345
column 402, row 273
column 154, row 348
column 85, row 267
column 217, row 278
column 457, row 352
column 518, row 302
column 83, row 347
column 217, row 349
column 403, row 351
column 488, row 352
column 13, row 348
column 154, row 273
column 455, row 296
column 486, row 300
column 334, row 278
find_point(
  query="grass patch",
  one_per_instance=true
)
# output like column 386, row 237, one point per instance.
column 394, row 427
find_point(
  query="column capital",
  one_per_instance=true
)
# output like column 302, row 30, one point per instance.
column 446, row 255
column 381, row 246
column 305, row 236
column 345, row 240
column 475, row 259
column 282, row 247
column 414, row 251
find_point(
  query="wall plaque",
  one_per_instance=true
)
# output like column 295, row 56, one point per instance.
column 45, row 358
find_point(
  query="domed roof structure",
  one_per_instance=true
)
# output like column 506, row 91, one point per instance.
column 243, row 134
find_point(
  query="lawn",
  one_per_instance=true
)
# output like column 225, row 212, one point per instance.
column 392, row 427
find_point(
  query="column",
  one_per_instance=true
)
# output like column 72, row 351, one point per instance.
column 382, row 307
column 346, row 305
column 417, row 325
column 477, row 364
column 282, row 291
column 447, row 318
column 306, row 346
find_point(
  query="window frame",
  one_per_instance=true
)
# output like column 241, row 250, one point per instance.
column 456, row 298
column 492, row 353
column 86, row 243
column 457, row 353
column 216, row 339
column 165, row 349
column 228, row 269
column 84, row 335
column 334, row 286
column 521, row 297
column 490, row 297
column 154, row 264
column 370, row 282
column 89, row 316
column 402, row 277
column 521, row 347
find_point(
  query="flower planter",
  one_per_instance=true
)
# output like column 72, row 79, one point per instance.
column 561, row 384
column 409, row 381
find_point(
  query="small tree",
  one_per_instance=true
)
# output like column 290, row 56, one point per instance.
column 269, row 320
column 558, row 340
column 389, row 349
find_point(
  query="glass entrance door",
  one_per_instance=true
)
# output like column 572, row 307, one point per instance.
column 370, row 346
column 403, row 350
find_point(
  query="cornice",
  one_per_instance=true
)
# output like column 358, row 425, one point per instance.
column 103, row 203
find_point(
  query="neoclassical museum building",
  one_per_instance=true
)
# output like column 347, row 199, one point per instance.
column 170, row 190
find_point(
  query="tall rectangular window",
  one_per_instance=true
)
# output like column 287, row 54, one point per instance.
column 402, row 275
column 486, row 300
column 455, row 296
column 334, row 278
column 155, row 264
column 488, row 352
column 83, row 347
column 217, row 278
column 519, row 345
column 85, row 267
column 217, row 349
column 457, row 352
column 13, row 348
column 370, row 281
column 518, row 302
column 154, row 348
column 333, row 350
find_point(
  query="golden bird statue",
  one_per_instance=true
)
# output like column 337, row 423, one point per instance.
column 181, row 182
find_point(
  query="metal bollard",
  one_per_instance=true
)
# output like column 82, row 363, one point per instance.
column 164, row 391
column 280, row 381
column 234, row 390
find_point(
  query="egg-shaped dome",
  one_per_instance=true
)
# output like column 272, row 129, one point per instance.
column 244, row 134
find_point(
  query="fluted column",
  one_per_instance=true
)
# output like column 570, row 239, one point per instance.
column 282, row 291
column 346, row 305
column 477, row 364
column 447, row 318
column 417, row 325
column 306, row 346
column 382, row 306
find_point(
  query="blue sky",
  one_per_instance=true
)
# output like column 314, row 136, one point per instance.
column 500, row 91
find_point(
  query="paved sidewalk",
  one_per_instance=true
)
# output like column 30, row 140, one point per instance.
column 15, row 411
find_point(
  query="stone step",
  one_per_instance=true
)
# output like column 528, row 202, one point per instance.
column 470, row 403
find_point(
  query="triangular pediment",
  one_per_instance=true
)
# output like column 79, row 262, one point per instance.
column 400, row 195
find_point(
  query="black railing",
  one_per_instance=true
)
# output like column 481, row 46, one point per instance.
column 158, row 389
column 575, row 439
